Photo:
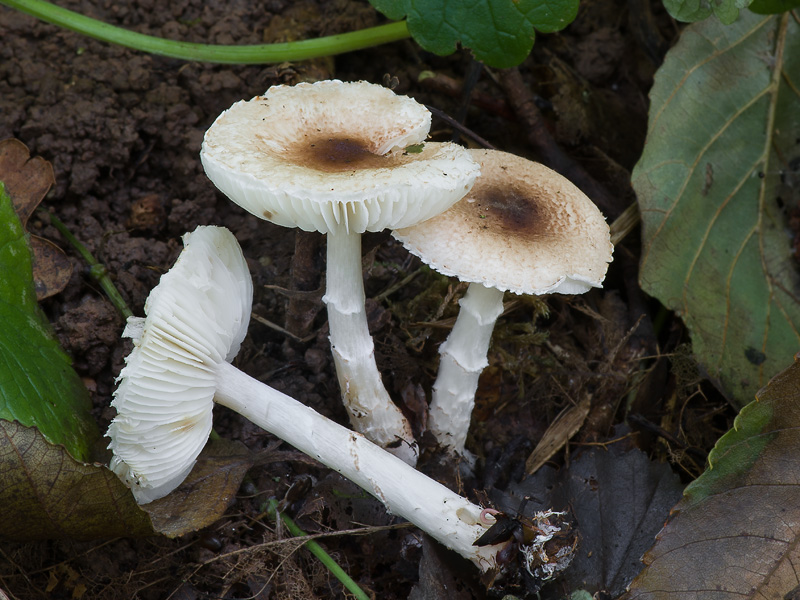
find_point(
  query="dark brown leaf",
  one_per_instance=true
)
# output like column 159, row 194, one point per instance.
column 27, row 180
column 207, row 493
column 736, row 532
column 45, row 493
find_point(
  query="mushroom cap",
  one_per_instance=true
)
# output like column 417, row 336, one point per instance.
column 330, row 156
column 523, row 228
column 197, row 317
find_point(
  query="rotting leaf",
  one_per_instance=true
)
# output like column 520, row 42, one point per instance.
column 618, row 500
column 736, row 532
column 27, row 180
column 47, row 494
column 207, row 492
column 714, row 183
column 499, row 32
column 38, row 386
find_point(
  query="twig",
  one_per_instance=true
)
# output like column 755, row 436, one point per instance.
column 97, row 270
column 318, row 551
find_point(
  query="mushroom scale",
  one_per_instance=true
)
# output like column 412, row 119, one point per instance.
column 523, row 228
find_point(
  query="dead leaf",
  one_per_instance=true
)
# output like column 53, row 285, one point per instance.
column 207, row 492
column 736, row 532
column 618, row 500
column 558, row 434
column 47, row 494
column 27, row 180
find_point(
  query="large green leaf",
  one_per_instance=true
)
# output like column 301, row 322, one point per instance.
column 727, row 11
column 38, row 386
column 718, row 173
column 499, row 32
column 736, row 532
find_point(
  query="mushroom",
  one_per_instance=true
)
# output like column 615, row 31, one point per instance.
column 341, row 159
column 196, row 319
column 523, row 228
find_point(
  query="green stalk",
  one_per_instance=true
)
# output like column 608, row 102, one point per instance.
column 97, row 270
column 318, row 551
column 253, row 54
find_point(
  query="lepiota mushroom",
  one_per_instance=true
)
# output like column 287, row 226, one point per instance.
column 331, row 157
column 196, row 319
column 523, row 228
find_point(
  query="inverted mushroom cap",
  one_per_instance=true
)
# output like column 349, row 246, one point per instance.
column 329, row 156
column 197, row 317
column 523, row 228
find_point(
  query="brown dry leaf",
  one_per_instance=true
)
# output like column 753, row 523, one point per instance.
column 27, row 180
column 45, row 493
column 558, row 434
column 207, row 492
column 736, row 532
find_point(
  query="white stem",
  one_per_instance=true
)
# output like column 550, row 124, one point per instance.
column 371, row 410
column 463, row 358
column 446, row 516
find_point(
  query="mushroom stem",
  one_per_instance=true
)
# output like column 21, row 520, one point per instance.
column 446, row 516
column 464, row 357
column 371, row 410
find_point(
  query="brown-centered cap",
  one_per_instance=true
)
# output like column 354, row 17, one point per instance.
column 333, row 156
column 523, row 228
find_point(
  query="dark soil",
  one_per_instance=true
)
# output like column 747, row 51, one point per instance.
column 123, row 132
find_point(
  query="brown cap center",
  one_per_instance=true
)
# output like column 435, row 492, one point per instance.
column 513, row 210
column 337, row 154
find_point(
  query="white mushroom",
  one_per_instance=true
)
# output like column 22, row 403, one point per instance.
column 331, row 157
column 523, row 228
column 196, row 318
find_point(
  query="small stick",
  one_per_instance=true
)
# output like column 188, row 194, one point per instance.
column 97, row 270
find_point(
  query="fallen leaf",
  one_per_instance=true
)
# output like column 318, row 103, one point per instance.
column 27, row 180
column 47, row 494
column 736, row 532
column 713, row 190
column 206, row 493
column 618, row 500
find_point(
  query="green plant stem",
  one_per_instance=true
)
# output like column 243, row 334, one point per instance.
column 96, row 270
column 318, row 551
column 253, row 54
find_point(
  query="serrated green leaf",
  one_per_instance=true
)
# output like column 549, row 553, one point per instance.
column 499, row 32
column 736, row 532
column 773, row 7
column 718, row 166
column 38, row 386
column 691, row 11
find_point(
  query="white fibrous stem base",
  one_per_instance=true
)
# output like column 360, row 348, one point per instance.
column 446, row 516
column 463, row 358
column 371, row 410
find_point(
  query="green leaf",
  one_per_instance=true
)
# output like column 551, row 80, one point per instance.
column 690, row 11
column 736, row 531
column 38, row 386
column 499, row 32
column 773, row 7
column 718, row 170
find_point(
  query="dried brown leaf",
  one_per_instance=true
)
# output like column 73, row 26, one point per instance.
column 27, row 180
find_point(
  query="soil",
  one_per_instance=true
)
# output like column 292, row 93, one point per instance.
column 123, row 131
